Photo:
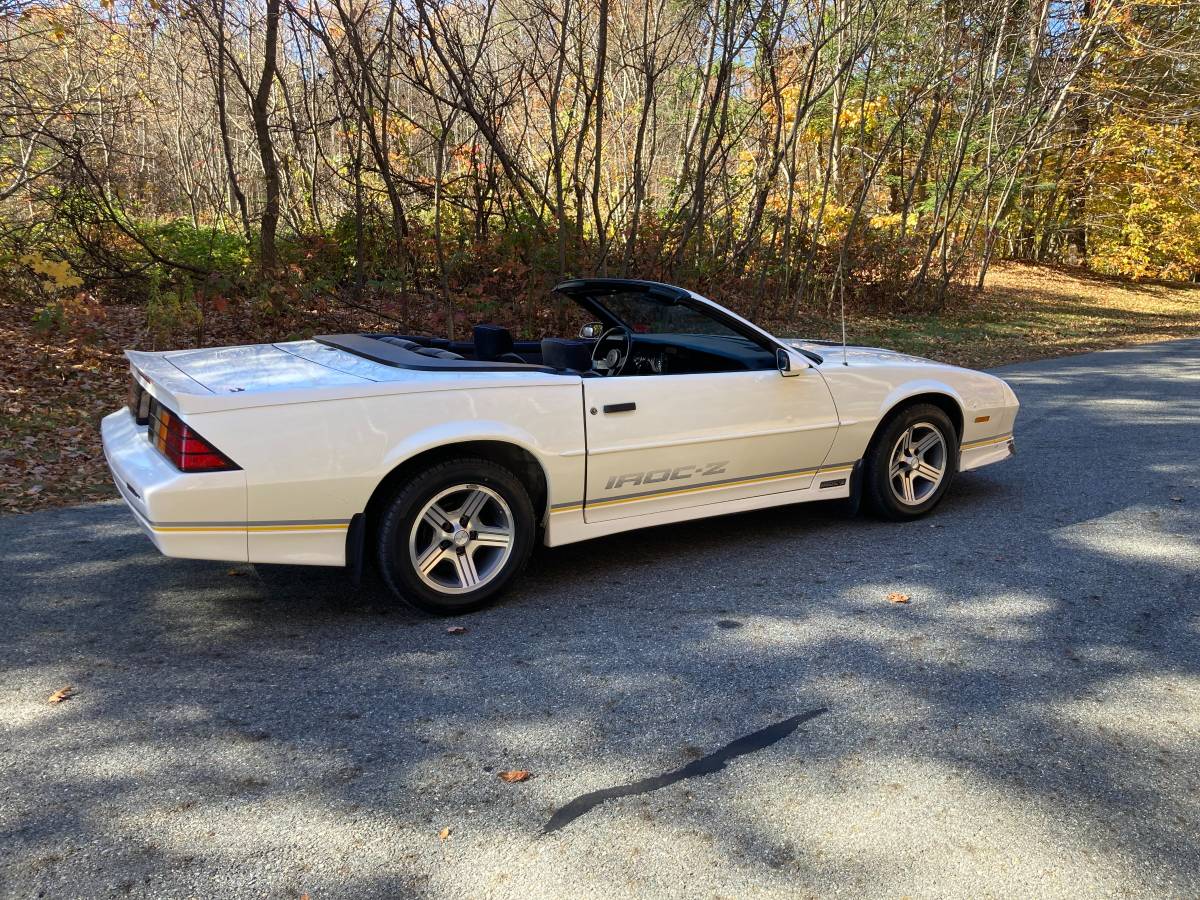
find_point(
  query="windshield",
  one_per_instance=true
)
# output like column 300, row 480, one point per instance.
column 643, row 313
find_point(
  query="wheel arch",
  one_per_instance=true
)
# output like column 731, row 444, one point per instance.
column 941, row 397
column 520, row 460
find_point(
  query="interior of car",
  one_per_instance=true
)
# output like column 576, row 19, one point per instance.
column 638, row 328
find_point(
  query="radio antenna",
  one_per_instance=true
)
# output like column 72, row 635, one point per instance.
column 842, row 304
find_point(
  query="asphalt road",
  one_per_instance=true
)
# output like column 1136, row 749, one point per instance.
column 726, row 708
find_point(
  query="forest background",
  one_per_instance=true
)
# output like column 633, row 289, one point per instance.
column 979, row 180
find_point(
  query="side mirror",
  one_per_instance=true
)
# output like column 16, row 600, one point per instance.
column 591, row 331
column 790, row 363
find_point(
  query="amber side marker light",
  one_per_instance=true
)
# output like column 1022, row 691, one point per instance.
column 981, row 419
column 182, row 446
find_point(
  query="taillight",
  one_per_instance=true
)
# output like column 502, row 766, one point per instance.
column 179, row 443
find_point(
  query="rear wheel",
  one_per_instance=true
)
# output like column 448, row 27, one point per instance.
column 911, row 463
column 454, row 537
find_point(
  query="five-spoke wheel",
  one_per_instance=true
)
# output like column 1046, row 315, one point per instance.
column 918, row 463
column 910, row 462
column 462, row 538
column 454, row 536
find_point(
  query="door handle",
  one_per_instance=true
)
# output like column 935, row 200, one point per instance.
column 619, row 407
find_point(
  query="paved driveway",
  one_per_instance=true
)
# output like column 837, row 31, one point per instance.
column 757, row 718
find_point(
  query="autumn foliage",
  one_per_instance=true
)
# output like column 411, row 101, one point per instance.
column 233, row 166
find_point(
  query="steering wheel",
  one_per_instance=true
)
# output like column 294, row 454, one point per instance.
column 612, row 351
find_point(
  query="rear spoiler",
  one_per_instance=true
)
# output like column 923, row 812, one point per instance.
column 167, row 383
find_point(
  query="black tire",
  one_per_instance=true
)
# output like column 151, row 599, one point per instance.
column 396, row 532
column 878, row 491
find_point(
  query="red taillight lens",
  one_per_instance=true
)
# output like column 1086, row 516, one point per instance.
column 179, row 443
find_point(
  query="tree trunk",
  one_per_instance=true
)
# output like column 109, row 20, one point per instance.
column 260, row 113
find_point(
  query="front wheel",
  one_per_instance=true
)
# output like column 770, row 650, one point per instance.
column 911, row 463
column 454, row 537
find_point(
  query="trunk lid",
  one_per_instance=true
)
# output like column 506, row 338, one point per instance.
column 195, row 381
column 258, row 367
column 222, row 378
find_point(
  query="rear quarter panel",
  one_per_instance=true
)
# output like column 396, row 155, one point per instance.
column 322, row 460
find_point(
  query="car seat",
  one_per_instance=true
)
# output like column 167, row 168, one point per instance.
column 567, row 355
column 494, row 343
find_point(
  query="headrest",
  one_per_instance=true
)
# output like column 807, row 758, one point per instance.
column 561, row 353
column 491, row 341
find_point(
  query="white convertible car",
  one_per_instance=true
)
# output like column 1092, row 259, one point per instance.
column 445, row 462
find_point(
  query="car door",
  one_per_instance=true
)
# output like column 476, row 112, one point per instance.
column 664, row 442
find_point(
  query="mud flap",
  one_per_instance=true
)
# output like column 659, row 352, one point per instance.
column 355, row 539
column 854, row 501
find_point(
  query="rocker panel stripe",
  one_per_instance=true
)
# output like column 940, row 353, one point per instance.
column 707, row 486
column 293, row 525
column 984, row 442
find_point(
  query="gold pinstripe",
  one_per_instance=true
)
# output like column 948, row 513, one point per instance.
column 705, row 487
column 984, row 442
column 178, row 529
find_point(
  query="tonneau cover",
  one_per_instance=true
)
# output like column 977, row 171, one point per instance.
column 374, row 348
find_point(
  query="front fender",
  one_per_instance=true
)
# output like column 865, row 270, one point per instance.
column 866, row 394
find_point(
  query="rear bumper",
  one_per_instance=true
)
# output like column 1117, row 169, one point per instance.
column 197, row 516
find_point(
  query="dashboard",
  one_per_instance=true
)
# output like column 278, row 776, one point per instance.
column 689, row 354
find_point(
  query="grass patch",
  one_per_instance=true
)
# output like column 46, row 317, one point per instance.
column 1032, row 312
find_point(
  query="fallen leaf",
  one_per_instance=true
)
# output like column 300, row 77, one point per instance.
column 897, row 597
column 444, row 833
column 514, row 775
column 456, row 629
column 63, row 693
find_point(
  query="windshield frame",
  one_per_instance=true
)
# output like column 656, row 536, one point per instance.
column 588, row 293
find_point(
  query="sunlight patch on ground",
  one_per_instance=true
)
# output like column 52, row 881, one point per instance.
column 1147, row 711
column 1125, row 535
column 921, row 808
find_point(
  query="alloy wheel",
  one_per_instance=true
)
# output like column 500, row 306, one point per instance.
column 918, row 463
column 461, row 539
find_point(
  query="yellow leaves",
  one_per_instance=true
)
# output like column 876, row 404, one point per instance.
column 811, row 135
column 835, row 219
column 866, row 114
column 789, row 99
column 747, row 163
column 1145, row 199
column 59, row 275
column 63, row 693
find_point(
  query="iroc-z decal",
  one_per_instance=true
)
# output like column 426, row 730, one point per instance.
column 658, row 476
